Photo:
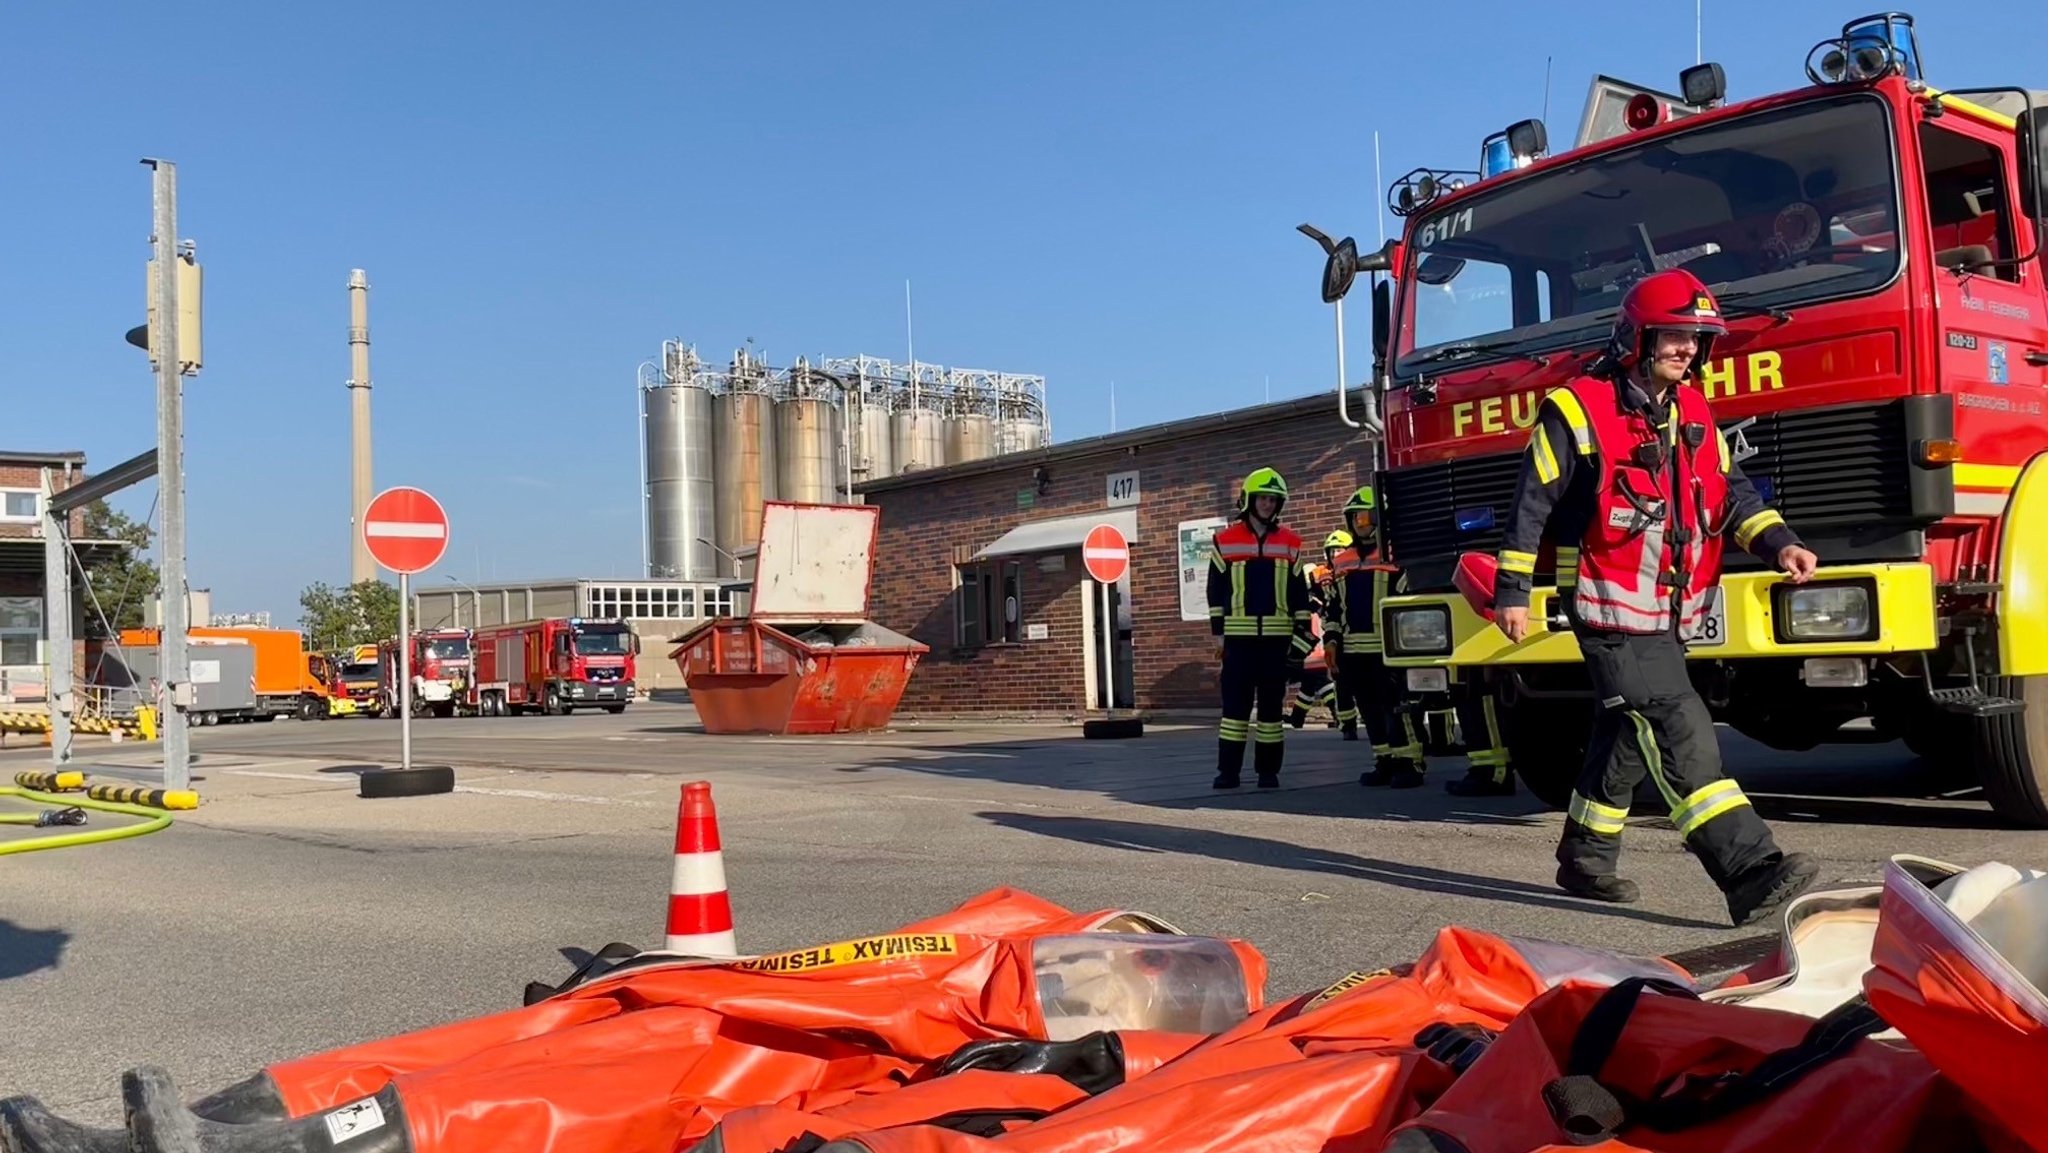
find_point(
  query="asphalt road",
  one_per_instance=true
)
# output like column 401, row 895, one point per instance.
column 288, row 916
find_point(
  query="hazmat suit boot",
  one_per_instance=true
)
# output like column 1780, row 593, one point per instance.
column 1406, row 775
column 1764, row 890
column 1598, row 886
column 1351, row 730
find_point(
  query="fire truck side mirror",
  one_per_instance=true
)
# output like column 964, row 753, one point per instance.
column 1382, row 318
column 2030, row 141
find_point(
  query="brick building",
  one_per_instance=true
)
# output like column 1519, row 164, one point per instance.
column 23, row 641
column 982, row 562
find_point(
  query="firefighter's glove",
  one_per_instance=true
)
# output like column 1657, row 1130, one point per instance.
column 1091, row 1064
column 1455, row 1046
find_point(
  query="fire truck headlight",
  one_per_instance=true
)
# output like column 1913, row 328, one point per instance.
column 1420, row 631
column 1826, row 612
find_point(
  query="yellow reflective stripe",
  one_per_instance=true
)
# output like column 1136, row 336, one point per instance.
column 1271, row 733
column 1542, row 457
column 1646, row 742
column 1606, row 820
column 1574, row 414
column 1750, row 529
column 1362, row 643
column 1230, row 729
column 1237, row 590
column 1216, row 560
column 1215, row 612
column 1721, row 443
column 1986, row 476
column 1706, row 803
column 1518, row 562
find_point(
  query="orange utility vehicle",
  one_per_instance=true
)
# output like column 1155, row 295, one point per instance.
column 289, row 681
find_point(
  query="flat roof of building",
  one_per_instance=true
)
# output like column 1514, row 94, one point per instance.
column 1115, row 442
column 11, row 456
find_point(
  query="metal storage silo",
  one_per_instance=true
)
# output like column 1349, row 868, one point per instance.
column 1019, row 434
column 970, row 436
column 743, row 440
column 874, row 446
column 807, row 450
column 918, row 434
column 676, row 419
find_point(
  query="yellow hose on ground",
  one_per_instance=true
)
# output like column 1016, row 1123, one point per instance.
column 153, row 819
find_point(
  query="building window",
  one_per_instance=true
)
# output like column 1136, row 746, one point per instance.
column 18, row 505
column 989, row 604
column 21, row 630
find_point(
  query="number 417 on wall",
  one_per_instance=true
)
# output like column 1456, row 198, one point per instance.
column 1123, row 488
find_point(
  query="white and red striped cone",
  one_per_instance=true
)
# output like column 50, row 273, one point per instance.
column 699, row 911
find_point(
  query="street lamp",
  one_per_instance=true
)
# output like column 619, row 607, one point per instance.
column 476, row 605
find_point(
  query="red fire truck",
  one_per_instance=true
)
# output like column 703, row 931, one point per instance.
column 557, row 666
column 440, row 672
column 1875, row 244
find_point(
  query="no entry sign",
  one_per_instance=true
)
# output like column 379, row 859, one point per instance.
column 1105, row 554
column 406, row 530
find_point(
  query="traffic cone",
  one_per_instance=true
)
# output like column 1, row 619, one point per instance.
column 699, row 912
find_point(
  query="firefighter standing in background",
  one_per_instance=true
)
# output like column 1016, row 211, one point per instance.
column 1628, row 475
column 1322, row 601
column 1359, row 582
column 1489, row 773
column 1259, row 613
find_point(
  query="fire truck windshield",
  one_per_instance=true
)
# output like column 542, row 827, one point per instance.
column 1775, row 209
column 455, row 649
column 605, row 643
column 354, row 671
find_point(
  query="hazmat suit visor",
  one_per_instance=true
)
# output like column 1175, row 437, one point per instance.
column 1090, row 982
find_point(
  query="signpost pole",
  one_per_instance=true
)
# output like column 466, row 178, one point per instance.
column 404, row 671
column 1108, row 651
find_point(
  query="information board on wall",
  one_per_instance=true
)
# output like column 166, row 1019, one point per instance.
column 1194, row 538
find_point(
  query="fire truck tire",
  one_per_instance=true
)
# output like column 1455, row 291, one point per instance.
column 311, row 708
column 551, row 703
column 420, row 781
column 1113, row 729
column 444, row 709
column 615, row 710
column 2012, row 752
column 1547, row 745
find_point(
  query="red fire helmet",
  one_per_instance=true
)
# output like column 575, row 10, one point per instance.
column 1673, row 299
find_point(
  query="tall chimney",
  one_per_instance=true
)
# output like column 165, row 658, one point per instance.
column 361, row 567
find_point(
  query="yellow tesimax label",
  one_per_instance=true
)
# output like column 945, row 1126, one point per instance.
column 1345, row 984
column 855, row 952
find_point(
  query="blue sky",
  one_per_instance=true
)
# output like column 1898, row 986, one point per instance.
column 1091, row 192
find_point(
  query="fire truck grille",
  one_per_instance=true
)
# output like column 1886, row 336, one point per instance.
column 1832, row 468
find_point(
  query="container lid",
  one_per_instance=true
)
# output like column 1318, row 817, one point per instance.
column 815, row 561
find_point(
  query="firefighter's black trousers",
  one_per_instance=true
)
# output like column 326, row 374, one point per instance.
column 1254, row 671
column 1394, row 730
column 1479, row 720
column 1651, row 721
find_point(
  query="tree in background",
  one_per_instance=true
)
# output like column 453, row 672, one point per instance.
column 335, row 619
column 120, row 584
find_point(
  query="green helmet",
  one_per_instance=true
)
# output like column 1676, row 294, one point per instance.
column 1262, row 482
column 1364, row 500
column 1338, row 540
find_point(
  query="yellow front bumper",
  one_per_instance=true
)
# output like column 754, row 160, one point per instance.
column 1905, row 623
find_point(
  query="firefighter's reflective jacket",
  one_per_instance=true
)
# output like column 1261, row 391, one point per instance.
column 1255, row 588
column 1359, row 581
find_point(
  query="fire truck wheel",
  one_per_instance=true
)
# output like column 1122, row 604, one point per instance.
column 551, row 703
column 310, row 709
column 1113, row 728
column 615, row 710
column 1546, row 743
column 444, row 709
column 2012, row 752
column 419, row 781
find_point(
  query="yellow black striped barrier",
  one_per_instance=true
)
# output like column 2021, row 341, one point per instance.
column 141, row 726
column 149, row 798
column 63, row 782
